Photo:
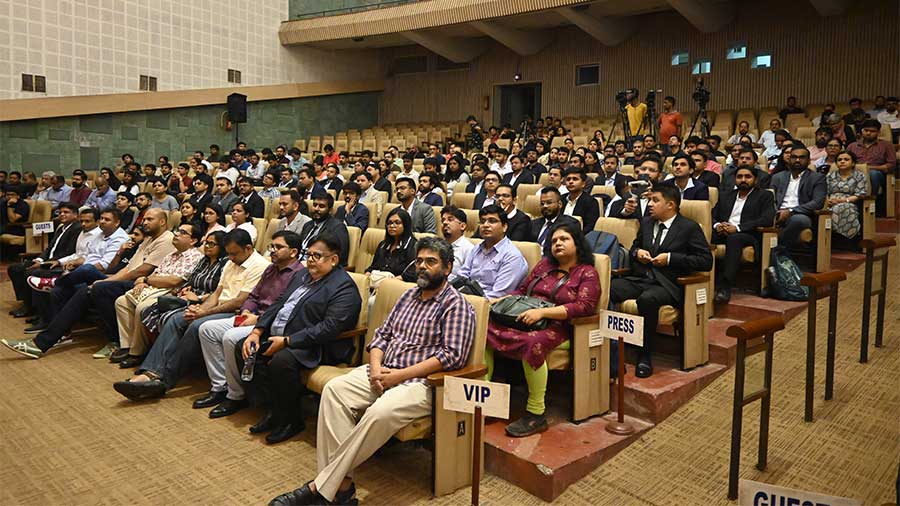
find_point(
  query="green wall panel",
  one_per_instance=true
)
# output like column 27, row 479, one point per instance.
column 99, row 140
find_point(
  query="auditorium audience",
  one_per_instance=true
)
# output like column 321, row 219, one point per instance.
column 877, row 154
column 289, row 206
column 566, row 277
column 429, row 189
column 846, row 188
column 700, row 173
column 421, row 214
column 667, row 246
column 799, row 193
column 487, row 196
column 368, row 193
column 495, row 264
column 682, row 178
column 224, row 195
column 390, row 391
column 395, row 254
column 551, row 203
column 213, row 219
column 202, row 195
column 323, row 221
column 353, row 213
column 453, row 226
column 241, row 219
column 580, row 202
column 517, row 221
column 14, row 212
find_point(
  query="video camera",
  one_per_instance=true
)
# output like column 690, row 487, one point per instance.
column 701, row 94
column 625, row 96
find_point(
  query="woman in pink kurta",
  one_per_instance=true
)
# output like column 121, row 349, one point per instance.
column 565, row 251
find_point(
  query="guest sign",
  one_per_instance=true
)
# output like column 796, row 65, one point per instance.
column 462, row 395
column 753, row 493
column 614, row 325
column 42, row 227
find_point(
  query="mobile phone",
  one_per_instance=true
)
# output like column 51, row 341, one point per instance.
column 239, row 319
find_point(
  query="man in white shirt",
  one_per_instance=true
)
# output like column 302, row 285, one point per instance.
column 453, row 225
column 891, row 117
column 501, row 163
column 743, row 130
column 407, row 169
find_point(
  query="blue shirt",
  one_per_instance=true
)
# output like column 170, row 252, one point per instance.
column 499, row 270
column 104, row 248
column 284, row 314
column 101, row 202
column 54, row 196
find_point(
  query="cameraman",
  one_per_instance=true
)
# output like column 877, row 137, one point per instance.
column 477, row 135
column 637, row 114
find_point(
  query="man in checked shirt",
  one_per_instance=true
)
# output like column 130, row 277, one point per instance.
column 430, row 329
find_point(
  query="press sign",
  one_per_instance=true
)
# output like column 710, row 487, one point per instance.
column 42, row 227
column 753, row 493
column 462, row 395
column 614, row 325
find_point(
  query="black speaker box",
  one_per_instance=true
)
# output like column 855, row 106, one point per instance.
column 237, row 107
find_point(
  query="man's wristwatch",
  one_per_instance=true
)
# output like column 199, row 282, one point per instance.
column 287, row 341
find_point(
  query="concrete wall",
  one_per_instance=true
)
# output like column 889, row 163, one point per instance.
column 299, row 8
column 88, row 142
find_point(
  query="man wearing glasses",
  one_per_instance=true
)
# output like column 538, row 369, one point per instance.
column 489, row 190
column 799, row 193
column 495, row 264
column 178, row 344
column 296, row 333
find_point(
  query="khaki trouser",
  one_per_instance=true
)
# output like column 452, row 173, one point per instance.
column 354, row 423
column 132, row 334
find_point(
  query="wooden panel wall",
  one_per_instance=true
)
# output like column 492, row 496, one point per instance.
column 817, row 59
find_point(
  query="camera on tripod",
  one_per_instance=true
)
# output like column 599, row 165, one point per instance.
column 701, row 94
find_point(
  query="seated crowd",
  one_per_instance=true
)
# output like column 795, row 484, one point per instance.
column 174, row 291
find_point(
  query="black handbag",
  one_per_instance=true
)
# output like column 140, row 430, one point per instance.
column 467, row 286
column 167, row 303
column 506, row 311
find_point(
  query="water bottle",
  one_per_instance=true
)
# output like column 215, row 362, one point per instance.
column 249, row 365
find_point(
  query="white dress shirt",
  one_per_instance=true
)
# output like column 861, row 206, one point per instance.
column 792, row 195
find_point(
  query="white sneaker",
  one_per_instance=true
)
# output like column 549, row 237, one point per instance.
column 41, row 284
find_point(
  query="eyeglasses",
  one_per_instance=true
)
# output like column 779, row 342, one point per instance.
column 210, row 244
column 317, row 256
column 395, row 223
column 428, row 262
column 182, row 232
column 275, row 247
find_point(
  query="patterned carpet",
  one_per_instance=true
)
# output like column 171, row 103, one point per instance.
column 70, row 439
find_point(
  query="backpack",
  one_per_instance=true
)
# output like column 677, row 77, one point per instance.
column 605, row 243
column 784, row 276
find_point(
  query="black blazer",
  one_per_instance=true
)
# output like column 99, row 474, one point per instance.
column 384, row 185
column 66, row 245
column 517, row 228
column 810, row 195
column 615, row 210
column 200, row 205
column 697, row 192
column 688, row 249
column 331, row 306
column 728, row 173
column 621, row 181
column 479, row 200
column 470, row 188
column 333, row 184
column 255, row 205
column 709, row 178
column 525, row 177
column 535, row 226
column 336, row 227
column 587, row 207
column 758, row 211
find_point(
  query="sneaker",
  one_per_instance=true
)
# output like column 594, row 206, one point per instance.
column 64, row 340
column 41, row 284
column 527, row 425
column 23, row 347
column 106, row 351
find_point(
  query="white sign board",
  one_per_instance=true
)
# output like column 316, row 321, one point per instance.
column 753, row 493
column 462, row 395
column 614, row 325
column 43, row 227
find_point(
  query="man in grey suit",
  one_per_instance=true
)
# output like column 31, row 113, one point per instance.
column 799, row 193
column 421, row 213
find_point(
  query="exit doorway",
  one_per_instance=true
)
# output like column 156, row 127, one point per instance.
column 516, row 101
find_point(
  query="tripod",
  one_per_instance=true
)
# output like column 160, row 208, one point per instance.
column 704, row 123
column 626, row 127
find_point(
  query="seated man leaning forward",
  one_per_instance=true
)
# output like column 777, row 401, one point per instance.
column 430, row 329
column 178, row 344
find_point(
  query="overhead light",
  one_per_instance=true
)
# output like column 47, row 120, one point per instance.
column 517, row 76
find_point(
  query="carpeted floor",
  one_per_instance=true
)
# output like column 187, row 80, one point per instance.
column 69, row 439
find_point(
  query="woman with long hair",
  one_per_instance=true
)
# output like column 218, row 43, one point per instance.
column 213, row 219
column 240, row 218
column 566, row 277
column 846, row 188
column 398, row 249
column 111, row 179
column 456, row 173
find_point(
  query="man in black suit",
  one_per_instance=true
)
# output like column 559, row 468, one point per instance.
column 683, row 180
column 533, row 165
column 610, row 175
column 476, row 182
column 579, row 202
column 488, row 190
column 736, row 217
column 551, row 214
column 62, row 243
column 746, row 158
column 298, row 333
column 707, row 177
column 323, row 221
column 518, row 225
column 667, row 247
column 519, row 174
column 799, row 193
column 251, row 200
column 202, row 194
column 628, row 206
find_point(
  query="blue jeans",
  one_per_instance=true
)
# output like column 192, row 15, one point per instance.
column 790, row 234
column 177, row 346
column 878, row 180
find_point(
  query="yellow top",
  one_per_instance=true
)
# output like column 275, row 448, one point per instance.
column 636, row 117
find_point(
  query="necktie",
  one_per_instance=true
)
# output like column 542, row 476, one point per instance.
column 543, row 236
column 658, row 239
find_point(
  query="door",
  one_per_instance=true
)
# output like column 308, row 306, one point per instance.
column 516, row 102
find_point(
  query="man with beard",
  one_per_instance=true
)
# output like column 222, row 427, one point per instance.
column 429, row 183
column 353, row 213
column 422, row 215
column 878, row 154
column 799, row 193
column 735, row 219
column 430, row 329
column 817, row 152
column 323, row 221
column 453, row 225
column 142, row 202
column 746, row 158
column 743, row 131
column 253, row 203
column 628, row 206
column 80, row 191
column 289, row 206
column 551, row 214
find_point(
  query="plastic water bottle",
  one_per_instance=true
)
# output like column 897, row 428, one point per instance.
column 249, row 365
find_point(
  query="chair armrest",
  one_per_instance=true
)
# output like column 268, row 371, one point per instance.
column 23, row 256
column 620, row 272
column 350, row 268
column 351, row 334
column 822, row 212
column 469, row 371
column 767, row 230
column 693, row 278
column 593, row 319
column 868, row 197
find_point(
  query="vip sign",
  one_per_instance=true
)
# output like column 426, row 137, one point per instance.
column 463, row 395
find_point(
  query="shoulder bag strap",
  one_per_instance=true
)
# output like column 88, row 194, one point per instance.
column 562, row 281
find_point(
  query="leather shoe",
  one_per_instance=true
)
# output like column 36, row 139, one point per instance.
column 211, row 399
column 265, row 424
column 644, row 367
column 723, row 296
column 228, row 407
column 22, row 312
column 140, row 390
column 285, row 432
column 38, row 327
column 302, row 495
column 118, row 356
column 130, row 362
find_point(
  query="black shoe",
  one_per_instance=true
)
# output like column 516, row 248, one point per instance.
column 345, row 498
column 285, row 432
column 33, row 319
column 212, row 399
column 527, row 425
column 130, row 362
column 118, row 356
column 228, row 407
column 22, row 312
column 644, row 367
column 723, row 296
column 302, row 495
column 141, row 390
column 38, row 327
column 265, row 424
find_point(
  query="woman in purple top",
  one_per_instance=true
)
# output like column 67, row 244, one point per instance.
column 565, row 254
